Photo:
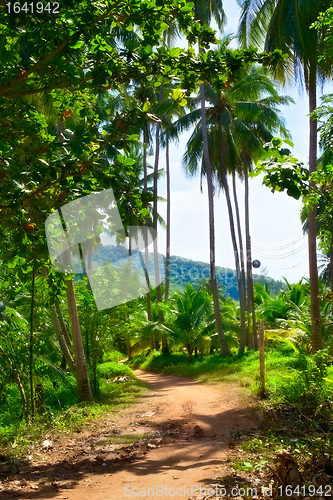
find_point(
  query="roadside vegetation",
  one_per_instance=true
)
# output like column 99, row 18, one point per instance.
column 89, row 99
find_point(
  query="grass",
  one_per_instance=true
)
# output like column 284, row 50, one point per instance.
column 111, row 355
column 61, row 412
column 242, row 369
column 112, row 369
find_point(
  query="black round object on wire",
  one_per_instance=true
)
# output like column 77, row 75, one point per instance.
column 256, row 263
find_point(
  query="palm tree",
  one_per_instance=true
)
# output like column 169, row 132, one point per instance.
column 285, row 25
column 192, row 308
column 204, row 11
column 240, row 120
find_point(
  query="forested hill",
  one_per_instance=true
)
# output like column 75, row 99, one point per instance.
column 183, row 271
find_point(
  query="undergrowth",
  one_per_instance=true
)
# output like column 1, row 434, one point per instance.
column 60, row 412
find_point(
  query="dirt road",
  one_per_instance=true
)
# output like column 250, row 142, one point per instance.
column 187, row 426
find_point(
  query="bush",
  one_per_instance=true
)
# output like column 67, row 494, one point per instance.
column 112, row 369
column 309, row 390
column 113, row 356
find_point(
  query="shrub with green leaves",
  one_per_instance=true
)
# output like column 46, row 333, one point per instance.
column 309, row 390
column 112, row 369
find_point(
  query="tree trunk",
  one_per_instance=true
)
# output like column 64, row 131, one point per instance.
column 31, row 345
column 252, row 339
column 242, row 266
column 61, row 339
column 312, row 229
column 18, row 382
column 167, row 254
column 145, row 186
column 236, row 255
column 82, row 379
column 63, row 326
column 165, row 347
column 224, row 349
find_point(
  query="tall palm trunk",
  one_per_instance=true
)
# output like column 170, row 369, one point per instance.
column 237, row 264
column 145, row 187
column 167, row 254
column 165, row 347
column 252, row 338
column 312, row 230
column 82, row 379
column 242, row 293
column 224, row 349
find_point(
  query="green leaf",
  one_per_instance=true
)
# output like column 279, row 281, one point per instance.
column 174, row 52
column 78, row 45
column 129, row 161
column 291, row 144
column 146, row 106
column 187, row 8
column 133, row 137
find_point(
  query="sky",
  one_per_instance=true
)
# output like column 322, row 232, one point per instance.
column 276, row 231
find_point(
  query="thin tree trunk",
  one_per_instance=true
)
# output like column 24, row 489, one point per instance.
column 242, row 266
column 312, row 229
column 18, row 382
column 224, row 349
column 31, row 346
column 252, row 339
column 167, row 254
column 61, row 339
column 63, row 326
column 145, row 187
column 236, row 255
column 82, row 379
column 165, row 347
column 61, row 332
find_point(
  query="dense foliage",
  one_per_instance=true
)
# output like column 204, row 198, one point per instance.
column 87, row 96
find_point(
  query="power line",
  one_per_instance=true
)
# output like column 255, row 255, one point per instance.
column 282, row 247
column 282, row 256
column 287, row 268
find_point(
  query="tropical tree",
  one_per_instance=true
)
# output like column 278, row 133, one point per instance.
column 240, row 119
column 287, row 26
column 192, row 308
column 204, row 11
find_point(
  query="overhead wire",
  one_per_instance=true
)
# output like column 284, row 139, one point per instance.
column 282, row 247
column 282, row 256
column 285, row 252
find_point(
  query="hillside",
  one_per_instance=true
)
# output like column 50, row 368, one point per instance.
column 184, row 271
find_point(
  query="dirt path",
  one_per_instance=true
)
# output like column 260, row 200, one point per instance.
column 189, row 425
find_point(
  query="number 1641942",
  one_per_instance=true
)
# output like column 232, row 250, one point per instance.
column 33, row 7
